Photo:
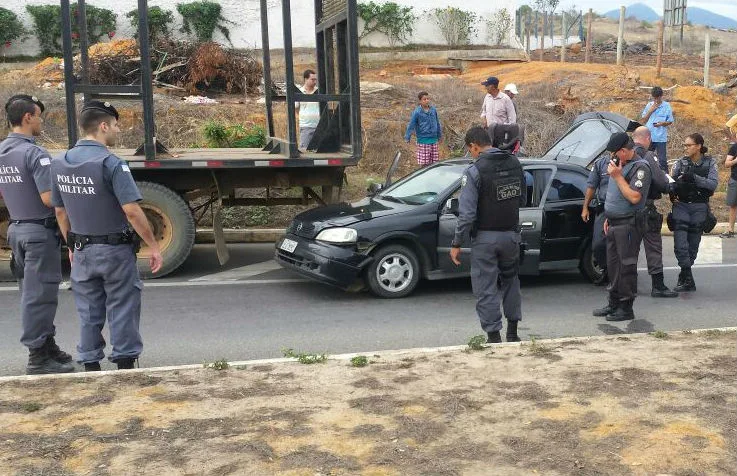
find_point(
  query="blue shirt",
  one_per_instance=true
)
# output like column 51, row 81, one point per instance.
column 599, row 178
column 663, row 113
column 425, row 124
column 116, row 173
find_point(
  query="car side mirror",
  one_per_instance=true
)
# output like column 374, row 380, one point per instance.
column 374, row 188
column 452, row 206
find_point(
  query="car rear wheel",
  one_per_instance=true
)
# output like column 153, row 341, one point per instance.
column 394, row 273
column 589, row 267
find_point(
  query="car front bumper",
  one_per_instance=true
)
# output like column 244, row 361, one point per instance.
column 330, row 264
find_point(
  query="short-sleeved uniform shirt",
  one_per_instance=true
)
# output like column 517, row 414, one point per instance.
column 37, row 161
column 116, row 173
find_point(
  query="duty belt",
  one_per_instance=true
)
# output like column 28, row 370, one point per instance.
column 47, row 222
column 80, row 241
column 621, row 220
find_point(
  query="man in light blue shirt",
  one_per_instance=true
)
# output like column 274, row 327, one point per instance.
column 658, row 115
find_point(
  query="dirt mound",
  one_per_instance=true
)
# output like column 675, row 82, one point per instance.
column 127, row 47
column 703, row 104
column 47, row 70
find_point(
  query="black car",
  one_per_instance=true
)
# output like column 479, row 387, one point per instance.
column 403, row 233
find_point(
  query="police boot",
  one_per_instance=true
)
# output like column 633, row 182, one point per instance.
column 125, row 363
column 55, row 352
column 39, row 362
column 624, row 312
column 660, row 289
column 607, row 310
column 92, row 367
column 685, row 281
column 493, row 337
column 512, row 331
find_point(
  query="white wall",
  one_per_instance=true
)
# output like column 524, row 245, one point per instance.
column 245, row 31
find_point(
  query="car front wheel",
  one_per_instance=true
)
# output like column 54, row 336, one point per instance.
column 394, row 273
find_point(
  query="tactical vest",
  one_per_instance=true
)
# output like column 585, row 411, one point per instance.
column 690, row 192
column 500, row 189
column 17, row 185
column 90, row 203
column 653, row 193
column 617, row 206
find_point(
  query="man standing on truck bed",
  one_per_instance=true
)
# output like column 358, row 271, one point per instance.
column 95, row 198
column 309, row 112
column 25, row 184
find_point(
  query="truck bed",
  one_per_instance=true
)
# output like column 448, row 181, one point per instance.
column 230, row 158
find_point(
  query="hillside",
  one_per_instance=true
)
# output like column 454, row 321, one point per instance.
column 697, row 16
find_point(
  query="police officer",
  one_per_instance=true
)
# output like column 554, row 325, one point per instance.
column 596, row 186
column 25, row 184
column 652, row 240
column 695, row 178
column 96, row 198
column 629, row 182
column 492, row 192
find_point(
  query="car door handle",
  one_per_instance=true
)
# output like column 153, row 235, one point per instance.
column 527, row 225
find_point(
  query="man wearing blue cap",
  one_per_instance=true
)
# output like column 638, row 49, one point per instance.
column 498, row 108
column 96, row 202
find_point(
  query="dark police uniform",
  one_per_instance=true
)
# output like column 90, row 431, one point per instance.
column 623, row 237
column 694, row 184
column 599, row 181
column 652, row 240
column 92, row 184
column 493, row 191
column 34, row 239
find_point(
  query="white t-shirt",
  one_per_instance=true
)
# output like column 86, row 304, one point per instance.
column 309, row 112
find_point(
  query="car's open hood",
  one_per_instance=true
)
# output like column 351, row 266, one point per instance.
column 344, row 214
column 587, row 137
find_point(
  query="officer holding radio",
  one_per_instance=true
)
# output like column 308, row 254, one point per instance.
column 96, row 198
column 25, row 184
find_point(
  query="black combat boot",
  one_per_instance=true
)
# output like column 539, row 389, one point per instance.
column 125, row 363
column 493, row 337
column 512, row 331
column 660, row 289
column 685, row 281
column 92, row 367
column 624, row 312
column 607, row 310
column 55, row 352
column 39, row 362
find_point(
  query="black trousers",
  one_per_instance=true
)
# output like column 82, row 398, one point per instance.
column 623, row 248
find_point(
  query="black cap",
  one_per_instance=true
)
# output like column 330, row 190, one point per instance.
column 617, row 141
column 101, row 106
column 24, row 97
column 491, row 80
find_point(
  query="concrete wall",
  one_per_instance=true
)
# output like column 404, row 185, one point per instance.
column 245, row 31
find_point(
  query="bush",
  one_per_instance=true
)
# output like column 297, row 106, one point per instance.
column 47, row 24
column 456, row 25
column 201, row 18
column 387, row 18
column 158, row 22
column 220, row 135
column 11, row 28
column 498, row 26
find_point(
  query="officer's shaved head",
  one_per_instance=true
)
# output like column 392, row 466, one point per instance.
column 477, row 135
column 642, row 132
column 90, row 119
column 18, row 106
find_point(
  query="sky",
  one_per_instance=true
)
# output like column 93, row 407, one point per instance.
column 727, row 8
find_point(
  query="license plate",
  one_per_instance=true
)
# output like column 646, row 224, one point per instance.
column 288, row 245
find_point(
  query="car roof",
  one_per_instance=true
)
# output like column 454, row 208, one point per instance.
column 524, row 161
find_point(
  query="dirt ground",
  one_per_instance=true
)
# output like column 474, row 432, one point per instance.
column 640, row 405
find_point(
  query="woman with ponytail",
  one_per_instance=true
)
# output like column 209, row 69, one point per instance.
column 695, row 176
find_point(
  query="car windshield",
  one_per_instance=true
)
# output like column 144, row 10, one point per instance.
column 583, row 144
column 425, row 185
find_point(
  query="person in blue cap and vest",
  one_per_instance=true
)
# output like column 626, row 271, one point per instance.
column 96, row 202
column 629, row 182
column 25, row 184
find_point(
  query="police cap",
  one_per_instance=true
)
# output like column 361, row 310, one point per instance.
column 619, row 140
column 24, row 97
column 105, row 107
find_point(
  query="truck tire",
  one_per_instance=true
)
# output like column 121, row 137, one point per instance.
column 172, row 224
column 394, row 272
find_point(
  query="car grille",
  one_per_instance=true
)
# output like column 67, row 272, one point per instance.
column 298, row 261
column 302, row 228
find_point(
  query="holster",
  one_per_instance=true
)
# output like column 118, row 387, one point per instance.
column 710, row 222
column 654, row 219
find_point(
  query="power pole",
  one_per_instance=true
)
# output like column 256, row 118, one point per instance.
column 620, row 37
column 563, row 45
column 589, row 36
column 659, row 63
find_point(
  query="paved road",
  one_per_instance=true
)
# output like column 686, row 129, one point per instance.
column 250, row 309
